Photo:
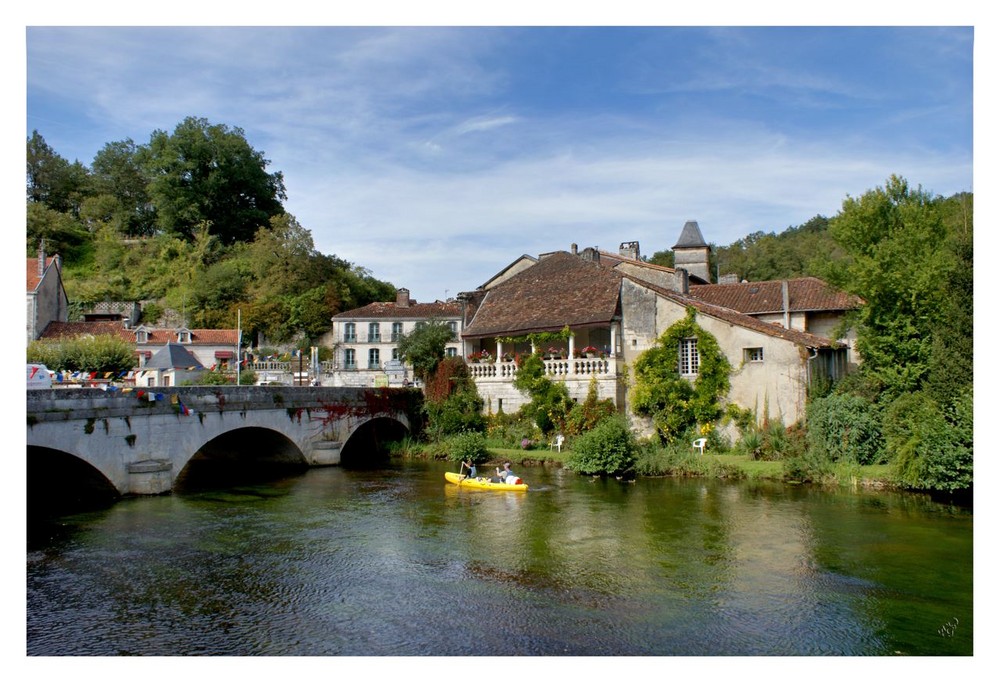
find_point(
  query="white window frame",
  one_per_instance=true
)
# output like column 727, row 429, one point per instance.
column 688, row 359
column 374, row 361
column 397, row 331
column 350, row 360
column 350, row 332
column 374, row 333
column 753, row 354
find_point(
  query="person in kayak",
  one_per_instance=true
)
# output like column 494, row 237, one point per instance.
column 507, row 476
column 471, row 466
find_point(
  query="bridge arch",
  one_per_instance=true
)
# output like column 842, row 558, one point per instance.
column 242, row 454
column 368, row 443
column 57, row 480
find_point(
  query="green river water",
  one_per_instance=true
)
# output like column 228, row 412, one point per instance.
column 396, row 561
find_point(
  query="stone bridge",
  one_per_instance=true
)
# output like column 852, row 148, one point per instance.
column 140, row 441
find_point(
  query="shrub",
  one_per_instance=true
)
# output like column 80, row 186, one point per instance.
column 585, row 416
column 845, row 428
column 460, row 412
column 468, row 447
column 931, row 446
column 102, row 353
column 550, row 400
column 609, row 448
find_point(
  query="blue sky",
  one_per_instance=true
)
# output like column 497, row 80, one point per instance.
column 434, row 156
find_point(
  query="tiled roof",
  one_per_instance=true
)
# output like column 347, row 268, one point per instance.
column 33, row 277
column 560, row 290
column 157, row 337
column 746, row 321
column 58, row 330
column 392, row 310
column 756, row 298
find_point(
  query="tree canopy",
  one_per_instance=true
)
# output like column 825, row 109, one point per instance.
column 191, row 222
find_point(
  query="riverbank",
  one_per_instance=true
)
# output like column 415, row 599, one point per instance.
column 727, row 466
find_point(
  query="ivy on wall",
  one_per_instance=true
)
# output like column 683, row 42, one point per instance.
column 675, row 403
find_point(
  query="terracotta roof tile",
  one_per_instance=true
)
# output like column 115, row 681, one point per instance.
column 33, row 277
column 390, row 309
column 560, row 290
column 756, row 298
column 157, row 337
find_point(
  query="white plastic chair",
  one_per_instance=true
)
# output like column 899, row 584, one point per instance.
column 557, row 444
column 700, row 445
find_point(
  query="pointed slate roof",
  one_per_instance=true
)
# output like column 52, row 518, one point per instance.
column 559, row 290
column 173, row 356
column 690, row 237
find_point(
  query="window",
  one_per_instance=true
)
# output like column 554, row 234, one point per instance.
column 395, row 354
column 753, row 355
column 141, row 336
column 350, row 362
column 373, row 333
column 373, row 363
column 453, row 326
column 687, row 357
column 183, row 337
column 350, row 335
column 397, row 331
column 451, row 352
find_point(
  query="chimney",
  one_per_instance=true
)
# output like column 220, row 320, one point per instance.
column 683, row 284
column 403, row 298
column 629, row 250
column 572, row 248
column 41, row 257
column 785, row 304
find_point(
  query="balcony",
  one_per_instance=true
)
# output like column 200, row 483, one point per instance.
column 350, row 338
column 374, row 338
column 569, row 368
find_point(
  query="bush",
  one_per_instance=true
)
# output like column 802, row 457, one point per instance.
column 845, row 428
column 468, row 447
column 931, row 447
column 460, row 412
column 609, row 448
column 584, row 416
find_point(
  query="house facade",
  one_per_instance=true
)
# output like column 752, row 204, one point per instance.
column 47, row 300
column 365, row 340
column 203, row 349
column 592, row 313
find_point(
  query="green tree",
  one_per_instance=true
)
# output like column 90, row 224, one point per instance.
column 423, row 347
column 52, row 180
column 102, row 353
column 204, row 173
column 896, row 244
column 120, row 179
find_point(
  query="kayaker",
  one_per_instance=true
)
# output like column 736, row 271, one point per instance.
column 507, row 476
column 471, row 466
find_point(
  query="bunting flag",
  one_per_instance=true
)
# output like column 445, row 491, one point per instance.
column 33, row 371
column 93, row 375
column 159, row 397
column 151, row 397
column 59, row 377
column 140, row 393
column 175, row 399
column 107, row 375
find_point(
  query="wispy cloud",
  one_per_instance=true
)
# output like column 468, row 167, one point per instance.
column 434, row 156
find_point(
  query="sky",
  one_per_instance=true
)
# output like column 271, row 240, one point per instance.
column 433, row 156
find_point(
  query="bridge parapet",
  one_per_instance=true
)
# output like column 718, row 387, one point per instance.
column 141, row 445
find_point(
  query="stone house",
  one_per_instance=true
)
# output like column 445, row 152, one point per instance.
column 47, row 300
column 599, row 311
column 365, row 339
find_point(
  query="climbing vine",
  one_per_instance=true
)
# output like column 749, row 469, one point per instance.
column 674, row 403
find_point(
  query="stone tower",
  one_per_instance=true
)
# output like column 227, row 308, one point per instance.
column 691, row 252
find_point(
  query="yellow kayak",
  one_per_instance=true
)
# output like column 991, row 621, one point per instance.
column 481, row 483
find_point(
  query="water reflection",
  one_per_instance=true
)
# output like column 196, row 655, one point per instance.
column 395, row 561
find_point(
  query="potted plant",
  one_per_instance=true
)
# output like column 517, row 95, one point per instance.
column 590, row 351
column 555, row 353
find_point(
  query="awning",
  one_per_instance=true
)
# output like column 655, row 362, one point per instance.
column 223, row 354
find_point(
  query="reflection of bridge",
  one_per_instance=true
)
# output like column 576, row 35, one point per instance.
column 139, row 442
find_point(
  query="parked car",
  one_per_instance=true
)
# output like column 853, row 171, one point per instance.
column 39, row 376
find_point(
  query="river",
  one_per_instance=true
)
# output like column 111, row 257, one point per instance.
column 395, row 561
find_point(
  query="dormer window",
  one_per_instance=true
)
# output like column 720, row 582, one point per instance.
column 142, row 336
column 184, row 336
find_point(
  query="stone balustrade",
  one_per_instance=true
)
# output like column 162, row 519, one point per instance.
column 562, row 368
